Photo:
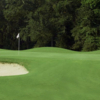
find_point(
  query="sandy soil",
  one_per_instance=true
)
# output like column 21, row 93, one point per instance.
column 12, row 69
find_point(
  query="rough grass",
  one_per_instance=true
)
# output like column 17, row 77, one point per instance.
column 54, row 74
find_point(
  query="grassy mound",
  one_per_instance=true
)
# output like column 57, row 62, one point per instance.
column 54, row 74
column 50, row 49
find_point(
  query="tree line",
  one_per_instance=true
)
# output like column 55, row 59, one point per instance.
column 70, row 24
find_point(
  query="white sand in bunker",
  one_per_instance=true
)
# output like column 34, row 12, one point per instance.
column 7, row 69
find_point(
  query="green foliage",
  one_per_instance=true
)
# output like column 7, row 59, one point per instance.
column 68, row 24
column 86, row 30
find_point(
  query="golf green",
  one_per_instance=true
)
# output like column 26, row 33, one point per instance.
column 54, row 74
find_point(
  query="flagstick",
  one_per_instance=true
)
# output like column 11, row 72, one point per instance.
column 19, row 44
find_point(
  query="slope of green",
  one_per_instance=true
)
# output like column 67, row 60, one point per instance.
column 50, row 49
column 52, row 75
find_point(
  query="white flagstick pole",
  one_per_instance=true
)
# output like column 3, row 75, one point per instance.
column 18, row 37
column 19, row 44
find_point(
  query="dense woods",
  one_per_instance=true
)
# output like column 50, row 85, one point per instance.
column 70, row 24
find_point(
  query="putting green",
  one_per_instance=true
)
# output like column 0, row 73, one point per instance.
column 54, row 74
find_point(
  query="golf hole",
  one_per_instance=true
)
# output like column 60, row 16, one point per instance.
column 7, row 69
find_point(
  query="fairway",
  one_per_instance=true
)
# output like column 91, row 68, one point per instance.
column 54, row 74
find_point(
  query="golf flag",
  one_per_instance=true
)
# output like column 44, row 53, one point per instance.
column 17, row 36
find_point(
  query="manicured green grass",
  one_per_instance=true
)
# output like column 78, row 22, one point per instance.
column 54, row 74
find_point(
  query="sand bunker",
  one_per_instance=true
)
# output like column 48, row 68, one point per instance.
column 12, row 69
